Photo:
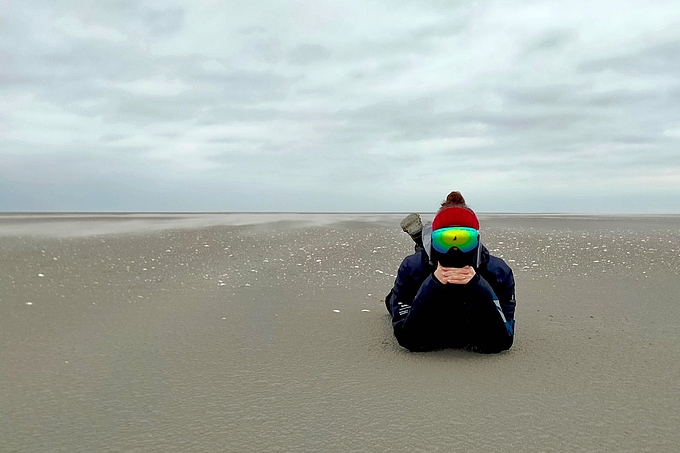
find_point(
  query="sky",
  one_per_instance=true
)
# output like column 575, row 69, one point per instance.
column 340, row 106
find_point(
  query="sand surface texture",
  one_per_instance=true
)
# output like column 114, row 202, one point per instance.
column 177, row 333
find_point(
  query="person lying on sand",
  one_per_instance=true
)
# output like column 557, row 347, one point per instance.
column 452, row 293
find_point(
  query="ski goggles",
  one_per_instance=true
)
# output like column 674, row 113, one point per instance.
column 462, row 238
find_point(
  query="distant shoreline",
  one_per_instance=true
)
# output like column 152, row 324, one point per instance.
column 480, row 213
column 62, row 224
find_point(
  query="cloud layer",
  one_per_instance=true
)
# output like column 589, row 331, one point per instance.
column 340, row 106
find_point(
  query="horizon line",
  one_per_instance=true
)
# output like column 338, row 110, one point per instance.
column 509, row 213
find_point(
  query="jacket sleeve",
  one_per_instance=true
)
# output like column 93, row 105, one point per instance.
column 411, row 319
column 500, row 276
column 405, row 287
column 412, row 287
column 506, row 295
column 504, row 286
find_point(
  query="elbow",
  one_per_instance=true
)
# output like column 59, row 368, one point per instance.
column 409, row 343
column 411, row 347
column 403, row 340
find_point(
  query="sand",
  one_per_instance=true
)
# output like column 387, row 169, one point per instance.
column 269, row 333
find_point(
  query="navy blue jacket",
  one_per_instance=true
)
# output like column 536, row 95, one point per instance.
column 427, row 314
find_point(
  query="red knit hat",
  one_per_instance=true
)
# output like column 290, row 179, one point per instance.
column 460, row 217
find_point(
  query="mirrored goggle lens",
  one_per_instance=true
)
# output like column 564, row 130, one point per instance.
column 464, row 239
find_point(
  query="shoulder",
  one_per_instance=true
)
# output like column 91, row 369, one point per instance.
column 498, row 268
column 415, row 264
column 416, row 260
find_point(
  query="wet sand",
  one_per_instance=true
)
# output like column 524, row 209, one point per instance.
column 269, row 333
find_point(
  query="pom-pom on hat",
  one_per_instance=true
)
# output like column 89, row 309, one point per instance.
column 460, row 217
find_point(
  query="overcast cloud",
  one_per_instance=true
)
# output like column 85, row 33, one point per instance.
column 524, row 106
